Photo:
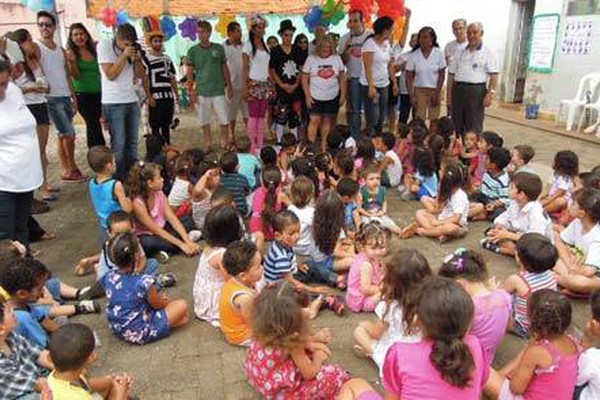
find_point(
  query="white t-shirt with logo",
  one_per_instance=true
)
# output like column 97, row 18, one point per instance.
column 427, row 70
column 354, row 45
column 586, row 242
column 324, row 72
column 121, row 89
column 259, row 63
column 381, row 59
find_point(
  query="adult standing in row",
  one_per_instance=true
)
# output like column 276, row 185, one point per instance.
column 62, row 103
column 425, row 75
column 83, row 63
column 162, row 84
column 21, row 171
column 207, row 61
column 376, row 72
column 118, row 60
column 324, row 85
column 459, row 29
column 285, row 70
column 399, row 65
column 350, row 49
column 472, row 81
column 235, row 63
column 259, row 87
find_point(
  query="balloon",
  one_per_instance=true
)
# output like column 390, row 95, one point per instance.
column 224, row 20
column 38, row 5
column 122, row 17
column 364, row 6
column 167, row 25
column 333, row 12
column 313, row 18
column 189, row 28
column 109, row 17
column 390, row 8
column 398, row 29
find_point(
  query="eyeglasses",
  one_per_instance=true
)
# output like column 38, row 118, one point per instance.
column 45, row 25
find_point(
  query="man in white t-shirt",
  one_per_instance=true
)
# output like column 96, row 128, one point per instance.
column 472, row 80
column 350, row 49
column 233, row 53
column 459, row 29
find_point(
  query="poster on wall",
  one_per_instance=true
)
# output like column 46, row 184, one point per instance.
column 577, row 38
column 583, row 7
column 543, row 42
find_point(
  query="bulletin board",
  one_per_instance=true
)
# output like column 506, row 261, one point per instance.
column 542, row 46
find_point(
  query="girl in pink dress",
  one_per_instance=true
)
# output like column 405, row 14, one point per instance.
column 547, row 367
column 366, row 272
column 284, row 361
column 266, row 202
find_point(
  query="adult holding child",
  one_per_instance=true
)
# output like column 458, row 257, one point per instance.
column 85, row 70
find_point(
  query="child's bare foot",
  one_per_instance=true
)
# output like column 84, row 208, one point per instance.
column 84, row 266
column 335, row 304
column 409, row 231
column 49, row 236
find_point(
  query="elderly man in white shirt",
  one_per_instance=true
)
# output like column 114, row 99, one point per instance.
column 459, row 29
column 472, row 80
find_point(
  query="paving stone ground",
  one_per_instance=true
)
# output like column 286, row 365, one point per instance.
column 195, row 362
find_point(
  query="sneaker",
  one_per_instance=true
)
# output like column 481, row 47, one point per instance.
column 88, row 307
column 195, row 235
column 82, row 293
column 39, row 207
column 94, row 291
column 166, row 280
column 162, row 257
column 175, row 123
column 491, row 246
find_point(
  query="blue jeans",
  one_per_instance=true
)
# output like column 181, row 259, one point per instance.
column 319, row 272
column 376, row 109
column 15, row 209
column 354, row 106
column 61, row 114
column 124, row 123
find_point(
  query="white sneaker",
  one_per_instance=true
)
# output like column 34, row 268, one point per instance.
column 195, row 235
column 162, row 257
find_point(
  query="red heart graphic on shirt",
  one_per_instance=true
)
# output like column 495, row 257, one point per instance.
column 326, row 72
column 356, row 52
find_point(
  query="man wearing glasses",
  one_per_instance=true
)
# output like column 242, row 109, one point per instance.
column 350, row 49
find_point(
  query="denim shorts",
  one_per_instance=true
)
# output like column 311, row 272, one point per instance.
column 61, row 114
column 53, row 286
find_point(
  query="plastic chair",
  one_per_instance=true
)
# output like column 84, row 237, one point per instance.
column 594, row 109
column 588, row 83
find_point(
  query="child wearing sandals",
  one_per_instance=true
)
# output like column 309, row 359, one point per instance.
column 547, row 367
column 404, row 270
column 285, row 360
column 221, row 228
column 367, row 271
column 137, row 311
column 493, row 307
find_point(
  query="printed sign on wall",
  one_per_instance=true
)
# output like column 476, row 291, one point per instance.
column 577, row 38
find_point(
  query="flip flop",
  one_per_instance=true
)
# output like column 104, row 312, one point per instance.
column 575, row 295
column 50, row 197
column 49, row 236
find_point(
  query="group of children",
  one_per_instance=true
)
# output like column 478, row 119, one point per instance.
column 285, row 232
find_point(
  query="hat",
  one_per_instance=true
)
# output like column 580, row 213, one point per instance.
column 152, row 34
column 286, row 25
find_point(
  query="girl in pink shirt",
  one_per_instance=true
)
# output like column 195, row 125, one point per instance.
column 547, row 367
column 267, row 200
column 448, row 363
column 493, row 307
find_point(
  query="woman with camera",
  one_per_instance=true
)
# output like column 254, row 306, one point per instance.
column 120, row 61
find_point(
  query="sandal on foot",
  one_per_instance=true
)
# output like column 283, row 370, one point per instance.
column 335, row 304
column 49, row 236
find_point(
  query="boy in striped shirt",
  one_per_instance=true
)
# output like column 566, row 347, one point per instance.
column 235, row 182
column 492, row 198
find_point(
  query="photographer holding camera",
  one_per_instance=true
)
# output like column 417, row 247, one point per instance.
column 120, row 61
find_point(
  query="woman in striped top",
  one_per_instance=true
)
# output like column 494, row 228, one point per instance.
column 536, row 256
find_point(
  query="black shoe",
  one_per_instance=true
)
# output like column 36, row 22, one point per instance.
column 166, row 280
column 95, row 291
column 39, row 207
column 174, row 124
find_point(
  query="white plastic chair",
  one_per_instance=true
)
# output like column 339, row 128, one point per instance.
column 594, row 109
column 587, row 83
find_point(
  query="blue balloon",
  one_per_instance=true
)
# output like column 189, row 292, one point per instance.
column 122, row 17
column 168, row 27
column 313, row 17
column 47, row 5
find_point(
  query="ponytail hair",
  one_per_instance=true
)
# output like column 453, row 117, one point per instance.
column 271, row 180
column 452, row 179
column 140, row 174
column 445, row 311
column 122, row 250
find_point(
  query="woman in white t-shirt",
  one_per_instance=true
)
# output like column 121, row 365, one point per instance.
column 21, row 171
column 425, row 75
column 259, row 87
column 324, row 85
column 376, row 72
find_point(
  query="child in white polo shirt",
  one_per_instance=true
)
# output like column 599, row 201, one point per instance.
column 525, row 214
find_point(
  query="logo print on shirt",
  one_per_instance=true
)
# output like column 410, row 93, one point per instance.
column 289, row 69
column 325, row 71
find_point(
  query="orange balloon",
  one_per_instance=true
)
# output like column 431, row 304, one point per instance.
column 398, row 29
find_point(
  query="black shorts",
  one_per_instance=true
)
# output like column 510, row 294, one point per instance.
column 328, row 107
column 40, row 113
column 393, row 100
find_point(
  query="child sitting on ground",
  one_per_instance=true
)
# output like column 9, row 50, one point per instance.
column 302, row 194
column 390, row 163
column 588, row 375
column 443, row 311
column 210, row 178
column 566, row 169
column 343, row 166
column 406, row 149
column 222, row 227
column 366, row 272
column 243, row 262
column 468, row 152
column 525, row 214
column 404, row 270
column 374, row 200
column 137, row 312
column 547, row 367
column 487, row 140
column 521, row 155
column 107, row 194
column 266, row 201
column 180, row 194
column 424, row 182
column 72, row 352
column 157, row 226
column 235, row 182
column 492, row 198
column 493, row 307
column 348, row 189
column 282, row 338
column 536, row 256
column 579, row 244
column 23, row 363
column 249, row 164
column 289, row 151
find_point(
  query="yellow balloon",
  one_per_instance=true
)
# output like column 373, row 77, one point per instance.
column 224, row 20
